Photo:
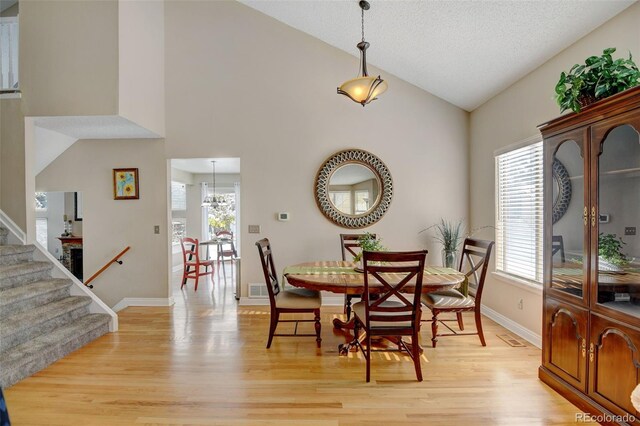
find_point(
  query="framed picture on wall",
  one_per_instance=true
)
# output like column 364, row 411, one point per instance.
column 125, row 184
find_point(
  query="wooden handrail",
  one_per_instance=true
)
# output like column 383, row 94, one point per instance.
column 114, row 260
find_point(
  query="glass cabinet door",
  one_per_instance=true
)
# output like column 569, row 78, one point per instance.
column 616, row 222
column 568, row 265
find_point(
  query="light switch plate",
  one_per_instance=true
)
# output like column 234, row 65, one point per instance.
column 156, row 229
column 254, row 229
column 630, row 230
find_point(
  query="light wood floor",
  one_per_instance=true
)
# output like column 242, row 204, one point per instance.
column 203, row 361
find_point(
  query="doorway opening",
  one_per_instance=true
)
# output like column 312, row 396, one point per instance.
column 205, row 205
column 59, row 217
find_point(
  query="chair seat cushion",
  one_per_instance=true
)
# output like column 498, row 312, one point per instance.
column 359, row 311
column 298, row 298
column 448, row 299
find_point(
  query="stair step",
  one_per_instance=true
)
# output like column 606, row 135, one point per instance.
column 17, row 329
column 23, row 273
column 29, row 296
column 32, row 356
column 12, row 254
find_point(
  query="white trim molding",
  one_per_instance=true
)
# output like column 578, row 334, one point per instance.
column 511, row 325
column 143, row 301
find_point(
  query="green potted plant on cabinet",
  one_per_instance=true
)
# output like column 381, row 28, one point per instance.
column 599, row 78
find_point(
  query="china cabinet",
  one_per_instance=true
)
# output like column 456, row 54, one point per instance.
column 591, row 316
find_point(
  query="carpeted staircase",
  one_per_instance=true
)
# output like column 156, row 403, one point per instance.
column 40, row 322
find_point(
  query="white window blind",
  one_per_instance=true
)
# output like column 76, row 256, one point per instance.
column 519, row 212
column 178, row 196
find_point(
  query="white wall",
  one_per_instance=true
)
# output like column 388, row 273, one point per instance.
column 512, row 116
column 110, row 225
column 241, row 84
column 141, row 63
column 69, row 57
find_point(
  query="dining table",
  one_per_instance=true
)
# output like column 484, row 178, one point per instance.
column 343, row 277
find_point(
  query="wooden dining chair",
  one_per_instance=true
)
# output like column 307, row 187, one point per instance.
column 473, row 263
column 349, row 245
column 557, row 246
column 191, row 251
column 287, row 301
column 397, row 272
column 226, row 248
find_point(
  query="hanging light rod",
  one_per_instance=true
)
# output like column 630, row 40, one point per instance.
column 363, row 89
column 211, row 200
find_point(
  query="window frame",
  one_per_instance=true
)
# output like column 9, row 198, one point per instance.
column 504, row 272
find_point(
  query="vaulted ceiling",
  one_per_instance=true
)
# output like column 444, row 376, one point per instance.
column 464, row 51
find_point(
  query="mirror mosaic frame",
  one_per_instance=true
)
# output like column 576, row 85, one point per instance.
column 321, row 188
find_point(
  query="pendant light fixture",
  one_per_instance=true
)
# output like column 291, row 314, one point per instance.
column 211, row 200
column 363, row 89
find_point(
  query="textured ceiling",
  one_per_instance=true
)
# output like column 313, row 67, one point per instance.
column 464, row 51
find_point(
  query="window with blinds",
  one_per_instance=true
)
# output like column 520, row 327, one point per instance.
column 178, row 196
column 519, row 212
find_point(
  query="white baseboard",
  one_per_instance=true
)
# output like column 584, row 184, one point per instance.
column 254, row 301
column 143, row 301
column 511, row 325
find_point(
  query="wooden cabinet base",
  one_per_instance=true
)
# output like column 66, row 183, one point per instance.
column 584, row 404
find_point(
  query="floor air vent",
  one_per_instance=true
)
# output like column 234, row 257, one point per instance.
column 258, row 291
column 511, row 341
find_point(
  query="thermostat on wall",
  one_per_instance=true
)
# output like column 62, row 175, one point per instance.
column 283, row 216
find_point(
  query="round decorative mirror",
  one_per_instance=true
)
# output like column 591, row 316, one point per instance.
column 561, row 190
column 353, row 188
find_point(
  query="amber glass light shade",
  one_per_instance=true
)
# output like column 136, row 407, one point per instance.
column 363, row 89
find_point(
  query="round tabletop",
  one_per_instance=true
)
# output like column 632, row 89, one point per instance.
column 340, row 277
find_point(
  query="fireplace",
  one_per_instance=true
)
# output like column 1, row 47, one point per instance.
column 72, row 255
column 75, row 255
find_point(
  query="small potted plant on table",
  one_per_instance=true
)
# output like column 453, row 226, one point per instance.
column 367, row 242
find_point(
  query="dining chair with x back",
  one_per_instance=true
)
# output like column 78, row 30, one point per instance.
column 395, row 311
column 474, row 263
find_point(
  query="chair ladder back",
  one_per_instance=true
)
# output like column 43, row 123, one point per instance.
column 228, row 235
column 349, row 244
column 409, row 267
column 476, row 253
column 190, row 250
column 269, row 269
